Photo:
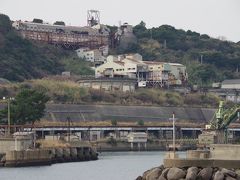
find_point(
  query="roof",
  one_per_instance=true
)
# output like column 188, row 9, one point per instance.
column 153, row 62
column 119, row 62
column 231, row 81
column 176, row 64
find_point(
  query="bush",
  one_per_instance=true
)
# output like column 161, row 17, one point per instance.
column 114, row 122
column 140, row 122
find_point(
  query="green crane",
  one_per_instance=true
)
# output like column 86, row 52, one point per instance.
column 223, row 117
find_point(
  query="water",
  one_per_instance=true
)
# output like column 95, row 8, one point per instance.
column 110, row 166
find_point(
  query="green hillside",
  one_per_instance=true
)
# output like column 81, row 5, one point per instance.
column 21, row 59
column 220, row 59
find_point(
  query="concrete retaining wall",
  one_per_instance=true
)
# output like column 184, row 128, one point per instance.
column 59, row 112
column 201, row 163
column 225, row 151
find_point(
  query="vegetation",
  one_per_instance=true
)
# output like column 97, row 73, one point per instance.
column 35, row 20
column 26, row 108
column 207, row 59
column 59, row 23
column 114, row 122
column 21, row 59
column 140, row 122
column 62, row 90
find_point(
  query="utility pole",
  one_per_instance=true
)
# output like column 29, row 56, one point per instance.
column 174, row 136
column 201, row 58
column 69, row 131
column 9, row 121
column 9, row 114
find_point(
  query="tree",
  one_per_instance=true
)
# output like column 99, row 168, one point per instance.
column 28, row 107
column 114, row 122
column 59, row 23
column 5, row 23
column 140, row 122
column 35, row 20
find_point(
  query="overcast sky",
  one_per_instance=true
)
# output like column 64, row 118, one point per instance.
column 213, row 17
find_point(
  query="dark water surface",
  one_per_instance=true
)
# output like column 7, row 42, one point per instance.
column 110, row 166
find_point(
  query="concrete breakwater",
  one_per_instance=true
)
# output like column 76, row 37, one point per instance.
column 190, row 173
column 48, row 156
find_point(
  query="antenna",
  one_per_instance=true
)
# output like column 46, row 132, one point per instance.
column 93, row 17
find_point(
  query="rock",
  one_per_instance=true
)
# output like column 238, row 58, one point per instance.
column 237, row 172
column 175, row 174
column 218, row 176
column 228, row 172
column 154, row 174
column 161, row 178
column 205, row 174
column 192, row 173
column 230, row 178
column 164, row 173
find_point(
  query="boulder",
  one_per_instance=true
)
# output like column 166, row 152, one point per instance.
column 192, row 173
column 230, row 178
column 218, row 176
column 139, row 178
column 154, row 174
column 161, row 178
column 175, row 174
column 205, row 174
column 164, row 173
column 228, row 172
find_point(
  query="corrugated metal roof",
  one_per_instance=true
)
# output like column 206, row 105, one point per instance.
column 231, row 81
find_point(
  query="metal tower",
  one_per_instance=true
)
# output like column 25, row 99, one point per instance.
column 93, row 17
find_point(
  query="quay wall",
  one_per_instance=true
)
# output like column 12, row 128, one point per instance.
column 48, row 156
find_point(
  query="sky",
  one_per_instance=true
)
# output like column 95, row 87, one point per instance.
column 217, row 18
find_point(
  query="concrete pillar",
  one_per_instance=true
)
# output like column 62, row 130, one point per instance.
column 139, row 146
column 180, row 133
column 131, row 145
column 145, row 146
column 194, row 134
column 160, row 134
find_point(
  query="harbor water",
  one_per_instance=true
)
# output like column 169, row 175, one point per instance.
column 110, row 166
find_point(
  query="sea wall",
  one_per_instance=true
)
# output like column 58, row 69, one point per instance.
column 48, row 156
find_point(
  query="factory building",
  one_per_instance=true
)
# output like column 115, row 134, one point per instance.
column 69, row 37
column 146, row 73
column 94, row 55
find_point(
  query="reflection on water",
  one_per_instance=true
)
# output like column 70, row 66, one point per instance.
column 110, row 166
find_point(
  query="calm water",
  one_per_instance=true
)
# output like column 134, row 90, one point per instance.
column 110, row 166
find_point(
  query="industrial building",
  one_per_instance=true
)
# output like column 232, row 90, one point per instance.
column 94, row 55
column 230, row 90
column 93, row 36
column 146, row 73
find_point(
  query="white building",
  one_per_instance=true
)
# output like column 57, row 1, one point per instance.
column 231, row 84
column 132, row 66
column 90, row 55
column 139, row 138
column 178, row 74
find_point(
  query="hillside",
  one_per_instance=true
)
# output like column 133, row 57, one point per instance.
column 21, row 59
column 207, row 59
column 220, row 59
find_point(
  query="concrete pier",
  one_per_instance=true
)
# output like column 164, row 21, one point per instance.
column 37, row 157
